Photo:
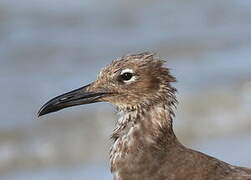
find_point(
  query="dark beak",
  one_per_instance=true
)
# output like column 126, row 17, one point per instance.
column 73, row 98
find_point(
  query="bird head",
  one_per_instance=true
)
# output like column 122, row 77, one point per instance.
column 129, row 83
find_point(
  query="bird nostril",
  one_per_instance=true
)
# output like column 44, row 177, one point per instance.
column 65, row 98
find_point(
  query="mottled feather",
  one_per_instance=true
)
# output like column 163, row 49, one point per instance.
column 145, row 146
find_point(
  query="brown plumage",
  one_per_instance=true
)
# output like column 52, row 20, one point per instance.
column 145, row 146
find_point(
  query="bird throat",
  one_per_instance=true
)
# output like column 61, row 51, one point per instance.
column 139, row 134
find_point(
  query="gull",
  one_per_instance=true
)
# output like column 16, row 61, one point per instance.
column 145, row 146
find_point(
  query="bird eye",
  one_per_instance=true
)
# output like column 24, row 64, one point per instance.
column 126, row 76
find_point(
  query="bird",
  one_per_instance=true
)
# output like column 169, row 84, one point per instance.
column 145, row 146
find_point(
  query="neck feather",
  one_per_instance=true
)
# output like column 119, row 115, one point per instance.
column 143, row 130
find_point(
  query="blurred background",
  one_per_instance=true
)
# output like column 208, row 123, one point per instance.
column 51, row 47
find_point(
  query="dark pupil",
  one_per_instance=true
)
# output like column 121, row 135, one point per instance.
column 126, row 76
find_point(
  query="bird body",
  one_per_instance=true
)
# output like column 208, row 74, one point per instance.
column 144, row 144
column 147, row 148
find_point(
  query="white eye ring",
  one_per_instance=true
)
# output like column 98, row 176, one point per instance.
column 133, row 78
column 126, row 71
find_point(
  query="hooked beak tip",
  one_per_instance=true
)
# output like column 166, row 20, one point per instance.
column 41, row 112
column 47, row 108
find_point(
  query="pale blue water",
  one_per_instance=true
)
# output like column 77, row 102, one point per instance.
column 82, row 172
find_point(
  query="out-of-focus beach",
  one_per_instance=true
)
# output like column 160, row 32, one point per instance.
column 51, row 47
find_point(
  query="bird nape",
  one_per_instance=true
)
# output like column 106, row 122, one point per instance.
column 144, row 144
